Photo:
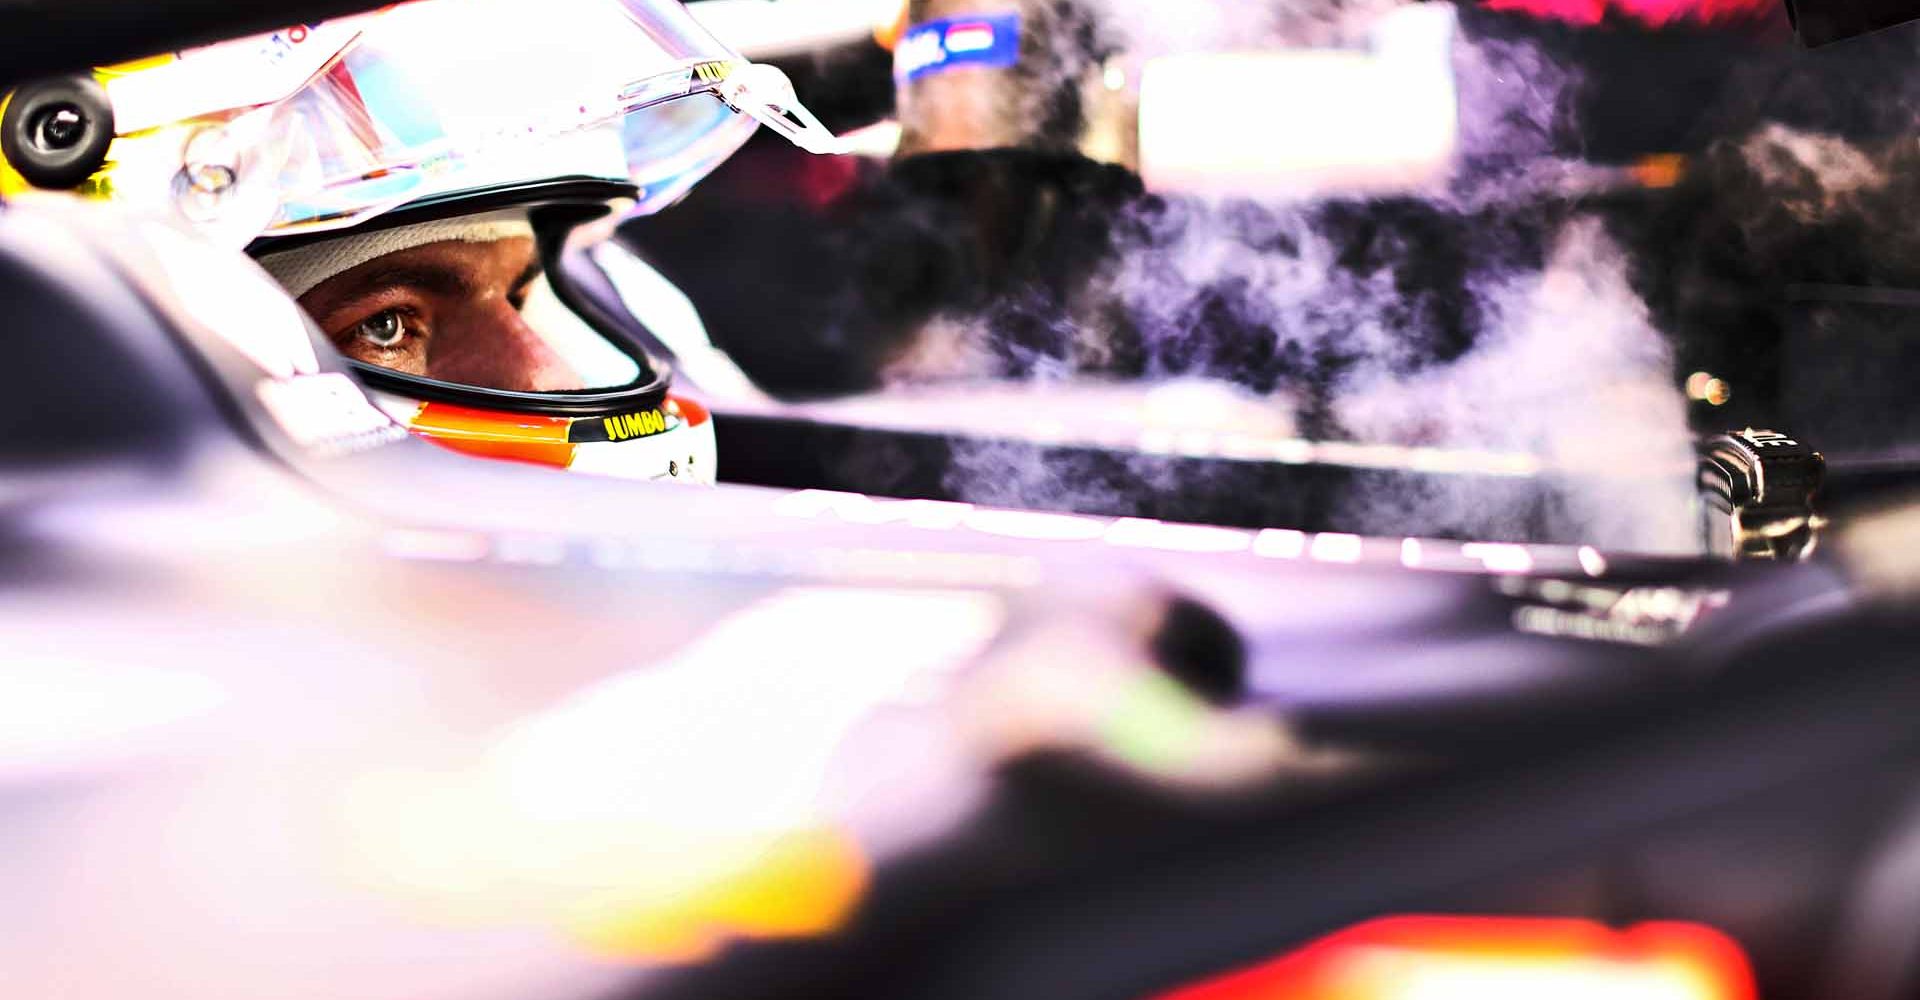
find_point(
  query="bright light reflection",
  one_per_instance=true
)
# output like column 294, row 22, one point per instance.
column 1334, row 547
column 1293, row 452
column 1280, row 543
column 1499, row 557
column 58, row 713
column 1408, row 975
column 1036, row 526
column 628, row 816
column 1493, row 958
column 1270, row 543
column 436, row 546
column 1137, row 532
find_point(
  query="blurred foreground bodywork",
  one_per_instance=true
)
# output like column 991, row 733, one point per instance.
column 296, row 706
column 596, row 738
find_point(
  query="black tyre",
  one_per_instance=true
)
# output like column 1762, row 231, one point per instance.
column 56, row 132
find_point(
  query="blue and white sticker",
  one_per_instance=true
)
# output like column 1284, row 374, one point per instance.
column 988, row 40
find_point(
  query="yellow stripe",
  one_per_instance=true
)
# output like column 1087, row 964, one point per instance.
column 11, row 183
column 106, row 73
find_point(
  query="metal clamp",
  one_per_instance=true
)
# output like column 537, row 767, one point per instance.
column 1758, row 490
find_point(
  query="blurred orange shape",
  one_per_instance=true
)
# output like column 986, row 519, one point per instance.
column 1662, row 170
column 798, row 884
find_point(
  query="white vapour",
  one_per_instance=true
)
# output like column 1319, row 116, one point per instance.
column 1810, row 175
column 1565, row 365
column 1280, row 272
column 1568, row 368
column 1572, row 371
column 1513, row 101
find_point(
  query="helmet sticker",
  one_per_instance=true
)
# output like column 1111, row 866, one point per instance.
column 624, row 426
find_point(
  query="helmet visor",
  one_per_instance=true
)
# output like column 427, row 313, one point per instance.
column 438, row 96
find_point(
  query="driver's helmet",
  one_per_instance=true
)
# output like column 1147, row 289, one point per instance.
column 435, row 182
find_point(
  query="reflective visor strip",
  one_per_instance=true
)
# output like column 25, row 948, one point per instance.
column 334, row 100
column 545, row 440
column 226, row 76
column 344, row 132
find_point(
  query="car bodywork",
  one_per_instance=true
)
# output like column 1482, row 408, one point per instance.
column 302, row 706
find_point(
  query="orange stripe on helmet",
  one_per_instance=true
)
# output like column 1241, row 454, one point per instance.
column 688, row 410
column 491, row 434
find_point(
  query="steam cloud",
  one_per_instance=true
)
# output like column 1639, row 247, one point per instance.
column 1572, row 371
column 1449, row 320
column 1796, row 219
column 1813, row 175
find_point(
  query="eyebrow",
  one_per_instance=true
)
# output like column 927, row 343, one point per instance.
column 430, row 278
column 441, row 280
column 437, row 280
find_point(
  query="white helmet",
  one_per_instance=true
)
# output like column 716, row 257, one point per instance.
column 426, row 180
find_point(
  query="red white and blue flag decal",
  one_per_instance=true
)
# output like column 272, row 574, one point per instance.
column 990, row 40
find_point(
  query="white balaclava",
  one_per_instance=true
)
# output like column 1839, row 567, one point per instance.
column 301, row 269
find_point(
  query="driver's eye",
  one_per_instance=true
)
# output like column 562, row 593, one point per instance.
column 383, row 330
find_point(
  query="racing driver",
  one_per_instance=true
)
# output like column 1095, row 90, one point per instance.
column 432, row 211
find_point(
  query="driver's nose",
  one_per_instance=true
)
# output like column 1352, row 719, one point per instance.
column 494, row 347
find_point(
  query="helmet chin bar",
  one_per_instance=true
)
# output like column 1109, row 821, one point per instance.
column 764, row 93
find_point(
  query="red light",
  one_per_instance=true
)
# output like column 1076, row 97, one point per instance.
column 1650, row 13
column 1488, row 958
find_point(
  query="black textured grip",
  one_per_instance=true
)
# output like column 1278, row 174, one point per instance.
column 55, row 133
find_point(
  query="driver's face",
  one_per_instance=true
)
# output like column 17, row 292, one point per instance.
column 448, row 311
